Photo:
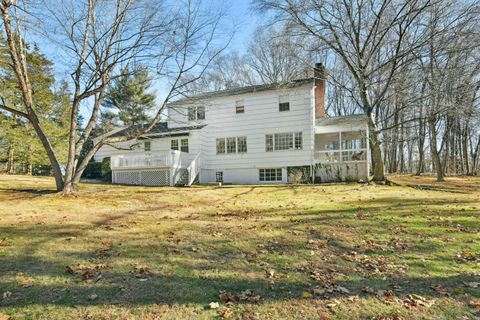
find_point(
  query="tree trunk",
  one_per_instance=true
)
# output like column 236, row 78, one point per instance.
column 433, row 148
column 29, row 169
column 10, row 160
column 377, row 160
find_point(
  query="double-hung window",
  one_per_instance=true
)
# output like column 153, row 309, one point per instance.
column 181, row 145
column 221, row 146
column 283, row 103
column 147, row 146
column 196, row 113
column 184, row 145
column 174, row 144
column 242, row 144
column 231, row 145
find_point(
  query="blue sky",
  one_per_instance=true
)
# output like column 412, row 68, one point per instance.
column 239, row 13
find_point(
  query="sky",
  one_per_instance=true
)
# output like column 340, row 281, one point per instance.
column 239, row 14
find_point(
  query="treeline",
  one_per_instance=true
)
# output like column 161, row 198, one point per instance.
column 412, row 68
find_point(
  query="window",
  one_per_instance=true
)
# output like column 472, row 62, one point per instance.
column 274, row 174
column 174, row 144
column 284, row 141
column 269, row 142
column 201, row 113
column 239, row 106
column 147, row 146
column 184, row 145
column 196, row 113
column 219, row 176
column 283, row 103
column 231, row 145
column 242, row 144
column 353, row 144
column 298, row 141
column 221, row 146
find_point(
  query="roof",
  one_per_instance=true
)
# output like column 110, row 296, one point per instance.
column 350, row 120
column 161, row 129
column 243, row 90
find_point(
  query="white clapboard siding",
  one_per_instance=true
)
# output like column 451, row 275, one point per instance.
column 261, row 117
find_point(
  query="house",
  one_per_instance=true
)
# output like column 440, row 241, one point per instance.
column 251, row 135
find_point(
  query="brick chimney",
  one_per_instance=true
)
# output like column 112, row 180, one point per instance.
column 319, row 75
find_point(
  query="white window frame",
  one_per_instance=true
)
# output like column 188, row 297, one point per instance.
column 293, row 140
column 194, row 113
column 270, row 175
column 282, row 100
column 225, row 143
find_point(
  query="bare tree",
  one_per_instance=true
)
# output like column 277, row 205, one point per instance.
column 100, row 37
column 373, row 39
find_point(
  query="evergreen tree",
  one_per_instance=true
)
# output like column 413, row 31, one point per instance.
column 18, row 139
column 129, row 95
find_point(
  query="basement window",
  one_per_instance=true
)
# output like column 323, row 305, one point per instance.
column 271, row 174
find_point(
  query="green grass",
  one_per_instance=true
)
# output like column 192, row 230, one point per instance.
column 337, row 251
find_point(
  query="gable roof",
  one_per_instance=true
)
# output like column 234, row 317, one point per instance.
column 243, row 90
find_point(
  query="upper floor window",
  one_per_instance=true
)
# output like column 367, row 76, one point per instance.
column 231, row 145
column 283, row 103
column 196, row 113
column 147, row 146
column 240, row 106
column 284, row 141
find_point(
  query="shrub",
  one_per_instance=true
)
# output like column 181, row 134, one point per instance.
column 105, row 169
column 93, row 170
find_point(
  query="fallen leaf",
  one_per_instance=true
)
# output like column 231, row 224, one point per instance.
column 474, row 304
column 26, row 282
column 306, row 294
column 225, row 313
column 92, row 297
column 228, row 297
column 6, row 295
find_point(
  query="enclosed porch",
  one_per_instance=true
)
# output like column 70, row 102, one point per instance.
column 341, row 149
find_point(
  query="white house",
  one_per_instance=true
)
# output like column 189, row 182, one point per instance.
column 252, row 135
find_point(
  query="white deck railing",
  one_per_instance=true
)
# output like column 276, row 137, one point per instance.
column 145, row 159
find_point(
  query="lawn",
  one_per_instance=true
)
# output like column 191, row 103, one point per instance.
column 336, row 251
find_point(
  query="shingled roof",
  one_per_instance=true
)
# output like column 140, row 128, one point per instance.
column 161, row 129
column 242, row 90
